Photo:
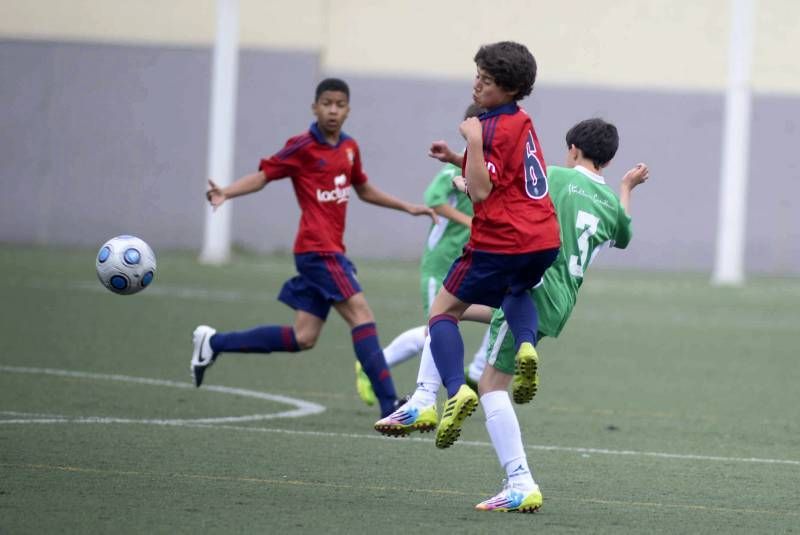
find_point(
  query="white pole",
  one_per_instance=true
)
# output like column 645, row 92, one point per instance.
column 217, row 235
column 729, row 261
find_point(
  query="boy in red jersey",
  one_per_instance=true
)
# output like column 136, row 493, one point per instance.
column 324, row 164
column 514, row 237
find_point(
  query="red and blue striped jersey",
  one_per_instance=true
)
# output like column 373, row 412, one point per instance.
column 322, row 175
column 518, row 215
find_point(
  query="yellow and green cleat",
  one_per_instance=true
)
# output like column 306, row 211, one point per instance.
column 364, row 386
column 513, row 500
column 408, row 419
column 456, row 410
column 526, row 379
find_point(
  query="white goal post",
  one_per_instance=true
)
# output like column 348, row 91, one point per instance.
column 731, row 227
column 222, row 123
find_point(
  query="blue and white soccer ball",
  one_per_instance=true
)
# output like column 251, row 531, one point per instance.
column 125, row 265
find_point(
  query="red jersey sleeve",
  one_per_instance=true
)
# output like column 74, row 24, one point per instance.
column 492, row 155
column 287, row 161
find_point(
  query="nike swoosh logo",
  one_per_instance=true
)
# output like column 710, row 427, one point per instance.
column 200, row 358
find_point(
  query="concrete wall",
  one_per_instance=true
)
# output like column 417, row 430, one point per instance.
column 103, row 113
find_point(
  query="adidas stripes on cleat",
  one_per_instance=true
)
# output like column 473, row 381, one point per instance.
column 408, row 419
column 511, row 499
column 526, row 379
column 456, row 410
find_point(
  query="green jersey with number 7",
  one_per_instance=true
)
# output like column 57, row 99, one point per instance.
column 591, row 218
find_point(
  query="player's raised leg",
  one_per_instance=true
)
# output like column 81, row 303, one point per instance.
column 447, row 348
column 522, row 317
column 526, row 375
column 419, row 412
column 209, row 344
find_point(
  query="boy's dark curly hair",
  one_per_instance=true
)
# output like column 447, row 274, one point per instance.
column 511, row 64
column 597, row 139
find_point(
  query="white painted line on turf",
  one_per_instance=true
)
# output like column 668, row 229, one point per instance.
column 30, row 414
column 303, row 408
column 537, row 447
column 222, row 423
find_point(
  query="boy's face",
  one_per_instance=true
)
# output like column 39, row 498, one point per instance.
column 331, row 109
column 487, row 94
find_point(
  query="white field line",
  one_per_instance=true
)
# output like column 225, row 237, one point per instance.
column 303, row 408
column 533, row 447
column 222, row 423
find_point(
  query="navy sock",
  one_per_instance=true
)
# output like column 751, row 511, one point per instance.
column 370, row 355
column 447, row 348
column 522, row 317
column 265, row 339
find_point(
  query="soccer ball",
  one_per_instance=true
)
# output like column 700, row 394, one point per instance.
column 125, row 265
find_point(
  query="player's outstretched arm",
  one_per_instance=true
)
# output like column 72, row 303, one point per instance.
column 369, row 193
column 246, row 184
column 443, row 153
column 453, row 214
column 635, row 176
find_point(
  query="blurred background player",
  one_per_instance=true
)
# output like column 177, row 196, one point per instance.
column 514, row 236
column 445, row 242
column 591, row 218
column 324, row 164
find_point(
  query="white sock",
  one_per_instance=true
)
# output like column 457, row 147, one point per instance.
column 405, row 346
column 479, row 359
column 428, row 378
column 503, row 428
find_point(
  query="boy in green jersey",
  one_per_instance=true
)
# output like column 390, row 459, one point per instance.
column 591, row 218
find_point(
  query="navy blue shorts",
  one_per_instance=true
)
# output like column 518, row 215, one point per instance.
column 323, row 279
column 478, row 277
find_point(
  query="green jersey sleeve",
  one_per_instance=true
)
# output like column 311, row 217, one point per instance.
column 624, row 231
column 441, row 187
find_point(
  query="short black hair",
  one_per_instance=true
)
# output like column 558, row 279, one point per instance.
column 473, row 110
column 332, row 84
column 597, row 139
column 511, row 64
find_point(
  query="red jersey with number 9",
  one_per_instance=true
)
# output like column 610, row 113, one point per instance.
column 518, row 215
